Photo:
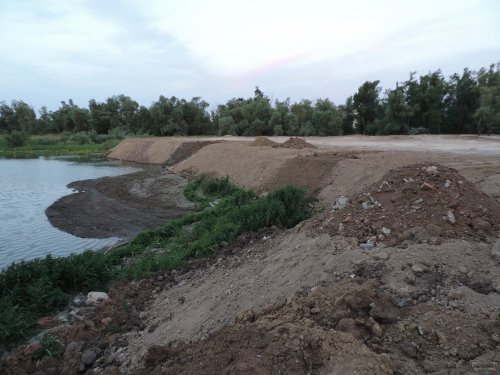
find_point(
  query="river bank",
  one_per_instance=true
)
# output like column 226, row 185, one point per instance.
column 121, row 206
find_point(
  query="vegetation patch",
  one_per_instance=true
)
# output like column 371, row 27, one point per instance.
column 31, row 289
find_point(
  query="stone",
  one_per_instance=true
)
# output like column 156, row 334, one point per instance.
column 385, row 231
column 455, row 294
column 367, row 205
column 340, row 203
column 480, row 224
column 450, row 217
column 346, row 325
column 106, row 320
column 315, row 310
column 409, row 349
column 367, row 246
column 431, row 169
column 89, row 356
column 417, row 269
column 495, row 251
column 94, row 298
column 428, row 186
column 377, row 330
column 447, row 184
column 381, row 255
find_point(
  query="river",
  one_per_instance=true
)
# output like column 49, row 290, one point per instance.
column 27, row 188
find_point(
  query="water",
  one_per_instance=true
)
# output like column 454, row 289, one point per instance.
column 27, row 188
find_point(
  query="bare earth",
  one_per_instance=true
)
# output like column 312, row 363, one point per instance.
column 424, row 299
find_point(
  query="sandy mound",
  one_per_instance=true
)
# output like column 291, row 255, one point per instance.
column 414, row 204
column 145, row 150
column 247, row 166
column 263, row 141
column 296, row 142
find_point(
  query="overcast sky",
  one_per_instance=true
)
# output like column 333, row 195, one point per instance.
column 53, row 50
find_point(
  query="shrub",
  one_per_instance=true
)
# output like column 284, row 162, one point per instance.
column 16, row 139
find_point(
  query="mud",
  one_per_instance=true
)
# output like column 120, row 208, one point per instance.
column 120, row 206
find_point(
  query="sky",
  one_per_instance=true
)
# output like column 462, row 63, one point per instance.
column 53, row 50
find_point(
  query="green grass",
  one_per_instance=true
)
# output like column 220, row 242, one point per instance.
column 31, row 289
column 57, row 145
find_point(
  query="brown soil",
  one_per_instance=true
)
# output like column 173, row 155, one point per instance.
column 310, row 300
column 184, row 151
column 263, row 141
column 295, row 142
column 414, row 203
column 145, row 150
column 120, row 206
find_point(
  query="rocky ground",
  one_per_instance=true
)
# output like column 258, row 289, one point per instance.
column 397, row 272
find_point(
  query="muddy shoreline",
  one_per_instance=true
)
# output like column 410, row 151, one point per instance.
column 121, row 206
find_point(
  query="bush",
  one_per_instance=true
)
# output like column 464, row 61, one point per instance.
column 16, row 139
column 80, row 138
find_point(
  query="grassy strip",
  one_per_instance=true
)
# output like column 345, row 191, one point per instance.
column 31, row 289
column 56, row 145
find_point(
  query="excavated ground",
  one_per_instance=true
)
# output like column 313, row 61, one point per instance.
column 422, row 298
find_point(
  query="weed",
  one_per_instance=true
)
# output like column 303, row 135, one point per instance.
column 50, row 347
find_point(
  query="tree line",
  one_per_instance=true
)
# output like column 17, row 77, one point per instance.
column 466, row 103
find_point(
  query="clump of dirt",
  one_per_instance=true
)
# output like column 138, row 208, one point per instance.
column 295, row 142
column 350, row 328
column 417, row 203
column 184, row 151
column 263, row 141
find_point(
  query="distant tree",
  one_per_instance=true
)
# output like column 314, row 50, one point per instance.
column 396, row 113
column 366, row 104
column 25, row 116
column 487, row 115
column 348, row 116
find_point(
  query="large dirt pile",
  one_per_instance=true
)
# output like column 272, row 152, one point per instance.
column 262, row 141
column 185, row 150
column 416, row 203
column 145, row 150
column 353, row 328
column 295, row 142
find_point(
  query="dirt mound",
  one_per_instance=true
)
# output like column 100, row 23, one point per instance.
column 417, row 203
column 145, row 150
column 247, row 166
column 353, row 328
column 295, row 142
column 184, row 151
column 263, row 141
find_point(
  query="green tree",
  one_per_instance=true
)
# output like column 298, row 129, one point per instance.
column 366, row 104
column 487, row 115
column 396, row 113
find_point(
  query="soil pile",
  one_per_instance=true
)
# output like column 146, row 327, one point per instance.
column 352, row 328
column 184, row 151
column 145, row 150
column 263, row 141
column 295, row 142
column 417, row 203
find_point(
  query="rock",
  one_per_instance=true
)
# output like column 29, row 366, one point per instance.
column 89, row 356
column 381, row 255
column 455, row 294
column 431, row 169
column 385, row 312
column 340, row 203
column 93, row 298
column 447, row 184
column 385, row 231
column 106, row 320
column 46, row 322
column 441, row 338
column 428, row 186
column 315, row 310
column 496, row 337
column 72, row 350
column 480, row 224
column 377, row 330
column 346, row 325
column 495, row 251
column 417, row 269
column 143, row 315
column 181, row 299
column 367, row 205
column 367, row 246
column 409, row 349
column 450, row 217
column 224, row 244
